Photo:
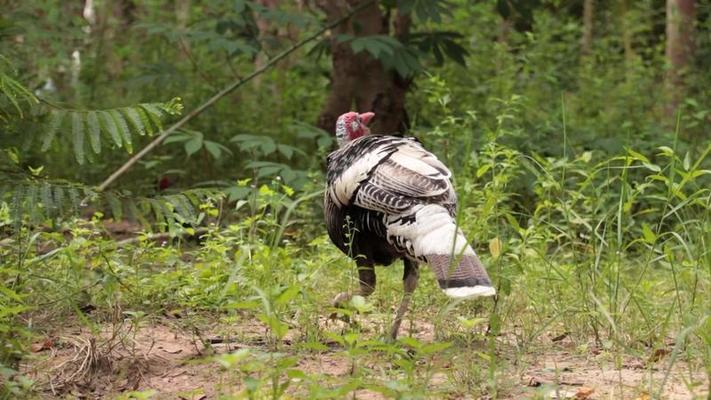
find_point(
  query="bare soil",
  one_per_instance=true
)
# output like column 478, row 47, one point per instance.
column 177, row 364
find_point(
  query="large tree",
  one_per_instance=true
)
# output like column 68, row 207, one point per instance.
column 360, row 81
column 377, row 52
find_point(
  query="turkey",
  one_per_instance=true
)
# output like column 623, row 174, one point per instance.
column 388, row 198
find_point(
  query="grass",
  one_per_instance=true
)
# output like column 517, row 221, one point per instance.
column 603, row 271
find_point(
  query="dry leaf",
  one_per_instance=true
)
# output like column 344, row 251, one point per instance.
column 532, row 381
column 584, row 393
column 658, row 355
column 41, row 346
column 643, row 396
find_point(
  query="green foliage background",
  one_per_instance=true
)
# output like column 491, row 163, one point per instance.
column 587, row 198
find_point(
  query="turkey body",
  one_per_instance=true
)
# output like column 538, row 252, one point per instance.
column 388, row 198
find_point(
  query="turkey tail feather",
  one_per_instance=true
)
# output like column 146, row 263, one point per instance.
column 431, row 234
column 463, row 276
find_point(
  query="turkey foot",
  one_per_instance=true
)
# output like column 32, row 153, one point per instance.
column 409, row 282
column 366, row 276
column 341, row 299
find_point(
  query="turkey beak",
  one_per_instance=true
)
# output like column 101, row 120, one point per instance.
column 366, row 117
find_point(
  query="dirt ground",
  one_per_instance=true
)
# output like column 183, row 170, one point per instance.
column 176, row 365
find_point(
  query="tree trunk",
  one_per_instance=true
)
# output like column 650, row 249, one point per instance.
column 358, row 81
column 265, row 30
column 680, row 47
column 588, row 19
column 626, row 35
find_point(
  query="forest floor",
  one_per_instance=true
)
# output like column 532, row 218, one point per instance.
column 143, row 320
column 163, row 360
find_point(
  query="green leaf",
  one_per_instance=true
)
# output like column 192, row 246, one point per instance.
column 59, row 198
column 134, row 117
column 286, row 296
column 649, row 236
column 286, row 150
column 666, row 151
column 116, row 206
column 123, row 129
column 74, row 197
column 55, row 120
column 482, row 170
column 638, row 156
column 92, row 122
column 652, row 167
column 158, row 211
column 78, row 135
column 46, row 195
column 193, row 145
column 32, row 202
column 214, row 149
column 107, row 122
column 155, row 114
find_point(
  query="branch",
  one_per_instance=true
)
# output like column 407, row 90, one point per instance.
column 224, row 92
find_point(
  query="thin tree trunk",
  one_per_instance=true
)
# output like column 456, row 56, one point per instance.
column 358, row 81
column 265, row 30
column 679, row 47
column 626, row 35
column 588, row 20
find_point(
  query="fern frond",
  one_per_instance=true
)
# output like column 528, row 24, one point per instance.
column 123, row 129
column 92, row 122
column 55, row 120
column 108, row 125
column 38, row 200
column 118, row 125
column 12, row 93
column 78, row 136
column 133, row 115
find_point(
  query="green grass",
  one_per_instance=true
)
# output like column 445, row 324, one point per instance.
column 614, row 257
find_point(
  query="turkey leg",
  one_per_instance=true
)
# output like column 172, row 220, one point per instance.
column 409, row 282
column 366, row 276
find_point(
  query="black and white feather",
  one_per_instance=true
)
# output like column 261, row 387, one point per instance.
column 389, row 198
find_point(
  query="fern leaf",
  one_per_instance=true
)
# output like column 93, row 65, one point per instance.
column 146, row 121
column 161, row 218
column 78, row 135
column 47, row 201
column 59, row 199
column 170, row 216
column 32, row 202
column 155, row 114
column 55, row 120
column 107, row 122
column 92, row 122
column 134, row 117
column 14, row 92
column 74, row 198
column 122, row 126
column 183, row 207
column 116, row 206
column 135, row 213
column 16, row 208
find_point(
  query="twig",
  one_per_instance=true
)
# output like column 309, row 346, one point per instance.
column 222, row 93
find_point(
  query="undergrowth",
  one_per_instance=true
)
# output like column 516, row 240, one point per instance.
column 612, row 253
